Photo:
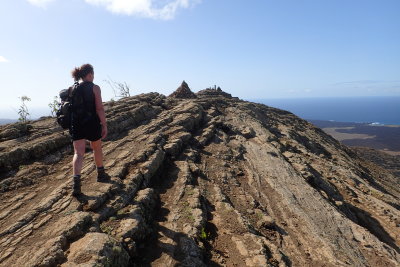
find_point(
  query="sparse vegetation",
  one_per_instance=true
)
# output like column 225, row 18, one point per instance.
column 187, row 211
column 259, row 215
column 117, row 249
column 23, row 111
column 54, row 106
column 120, row 89
column 203, row 234
column 111, row 103
column 376, row 194
column 191, row 217
column 106, row 228
column 122, row 212
column 190, row 192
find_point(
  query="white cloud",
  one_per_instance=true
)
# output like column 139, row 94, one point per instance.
column 40, row 3
column 3, row 59
column 157, row 9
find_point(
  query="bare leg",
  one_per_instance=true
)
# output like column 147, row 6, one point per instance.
column 79, row 152
column 97, row 153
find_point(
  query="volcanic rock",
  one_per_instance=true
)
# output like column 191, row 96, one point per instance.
column 183, row 91
column 204, row 181
column 212, row 92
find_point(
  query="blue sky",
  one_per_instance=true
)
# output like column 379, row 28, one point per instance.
column 251, row 48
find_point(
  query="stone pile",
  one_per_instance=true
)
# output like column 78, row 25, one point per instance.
column 213, row 92
column 183, row 91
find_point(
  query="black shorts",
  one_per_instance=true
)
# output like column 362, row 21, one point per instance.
column 90, row 131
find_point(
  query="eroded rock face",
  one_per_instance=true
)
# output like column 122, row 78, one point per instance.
column 195, row 182
column 97, row 249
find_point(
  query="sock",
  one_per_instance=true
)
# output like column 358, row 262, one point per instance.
column 77, row 185
column 100, row 168
column 77, row 181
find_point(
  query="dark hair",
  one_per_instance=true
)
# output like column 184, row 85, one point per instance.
column 82, row 71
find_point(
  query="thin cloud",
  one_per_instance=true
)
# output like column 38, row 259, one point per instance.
column 365, row 82
column 155, row 9
column 371, row 86
column 40, row 3
column 3, row 59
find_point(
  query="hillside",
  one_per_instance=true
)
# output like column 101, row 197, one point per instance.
column 208, row 180
column 381, row 137
column 382, row 162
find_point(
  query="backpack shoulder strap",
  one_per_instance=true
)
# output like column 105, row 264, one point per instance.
column 72, row 89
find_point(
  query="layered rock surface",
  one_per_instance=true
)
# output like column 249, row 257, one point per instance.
column 205, row 181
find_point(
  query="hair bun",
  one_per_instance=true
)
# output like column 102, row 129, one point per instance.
column 81, row 72
column 76, row 73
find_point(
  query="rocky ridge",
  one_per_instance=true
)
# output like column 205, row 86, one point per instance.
column 209, row 180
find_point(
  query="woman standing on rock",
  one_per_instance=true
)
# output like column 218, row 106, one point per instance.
column 88, row 122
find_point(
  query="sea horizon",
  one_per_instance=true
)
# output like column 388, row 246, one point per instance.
column 377, row 110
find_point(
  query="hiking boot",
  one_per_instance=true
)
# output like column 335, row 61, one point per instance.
column 102, row 176
column 76, row 189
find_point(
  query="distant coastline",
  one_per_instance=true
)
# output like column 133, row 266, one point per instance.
column 372, row 122
column 384, row 138
column 381, row 110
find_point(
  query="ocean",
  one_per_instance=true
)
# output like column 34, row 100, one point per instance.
column 377, row 110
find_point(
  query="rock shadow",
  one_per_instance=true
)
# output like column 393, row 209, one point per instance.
column 152, row 248
column 364, row 219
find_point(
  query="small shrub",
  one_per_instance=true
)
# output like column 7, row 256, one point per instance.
column 121, row 212
column 23, row 111
column 106, row 228
column 259, row 215
column 190, row 192
column 116, row 249
column 111, row 103
column 119, row 89
column 191, row 218
column 54, row 106
column 203, row 234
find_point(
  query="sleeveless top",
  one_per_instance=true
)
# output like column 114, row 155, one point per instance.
column 83, row 104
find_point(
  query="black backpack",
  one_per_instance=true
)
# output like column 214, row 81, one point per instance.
column 73, row 108
column 64, row 111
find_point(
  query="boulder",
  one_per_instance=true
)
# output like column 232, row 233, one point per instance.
column 97, row 249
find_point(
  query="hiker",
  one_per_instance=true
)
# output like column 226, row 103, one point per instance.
column 88, row 122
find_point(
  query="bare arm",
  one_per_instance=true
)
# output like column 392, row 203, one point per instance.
column 100, row 109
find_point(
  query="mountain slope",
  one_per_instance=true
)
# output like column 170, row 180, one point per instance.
column 206, row 181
